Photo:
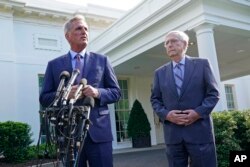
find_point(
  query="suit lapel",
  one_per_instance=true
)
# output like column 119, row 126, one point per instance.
column 189, row 70
column 170, row 79
column 67, row 63
column 87, row 64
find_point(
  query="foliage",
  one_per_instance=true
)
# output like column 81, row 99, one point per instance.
column 41, row 152
column 224, row 126
column 232, row 131
column 15, row 139
column 138, row 124
column 242, row 133
column 247, row 123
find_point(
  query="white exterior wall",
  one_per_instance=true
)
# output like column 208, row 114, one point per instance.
column 241, row 92
column 7, row 70
column 141, row 90
column 29, row 62
column 22, row 59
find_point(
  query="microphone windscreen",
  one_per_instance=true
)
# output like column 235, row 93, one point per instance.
column 89, row 101
column 83, row 82
column 64, row 74
column 77, row 71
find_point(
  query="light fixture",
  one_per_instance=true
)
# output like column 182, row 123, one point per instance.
column 240, row 51
column 191, row 43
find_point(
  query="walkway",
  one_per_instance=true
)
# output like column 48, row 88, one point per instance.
column 144, row 157
column 136, row 157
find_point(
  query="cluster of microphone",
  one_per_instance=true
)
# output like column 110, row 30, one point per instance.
column 63, row 91
column 71, row 122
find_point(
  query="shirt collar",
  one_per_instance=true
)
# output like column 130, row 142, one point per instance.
column 73, row 53
column 181, row 62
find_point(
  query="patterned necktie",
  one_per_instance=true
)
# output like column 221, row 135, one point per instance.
column 78, row 65
column 178, row 75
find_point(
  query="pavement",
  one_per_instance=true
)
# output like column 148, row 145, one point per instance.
column 134, row 157
column 144, row 157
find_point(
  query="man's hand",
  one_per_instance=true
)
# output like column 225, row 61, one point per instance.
column 90, row 91
column 192, row 116
column 72, row 92
column 177, row 117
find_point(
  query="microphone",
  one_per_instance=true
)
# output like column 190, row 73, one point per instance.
column 68, row 88
column 63, row 76
column 89, row 102
column 78, row 92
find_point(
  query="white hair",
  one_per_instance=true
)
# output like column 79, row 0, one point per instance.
column 181, row 36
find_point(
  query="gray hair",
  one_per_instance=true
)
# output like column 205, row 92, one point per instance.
column 181, row 36
column 67, row 25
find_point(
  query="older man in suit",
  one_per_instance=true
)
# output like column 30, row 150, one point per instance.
column 184, row 94
column 102, row 86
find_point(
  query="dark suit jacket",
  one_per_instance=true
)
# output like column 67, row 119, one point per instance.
column 199, row 92
column 99, row 73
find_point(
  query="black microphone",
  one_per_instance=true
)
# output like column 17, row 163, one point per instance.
column 89, row 103
column 68, row 88
column 78, row 92
column 63, row 76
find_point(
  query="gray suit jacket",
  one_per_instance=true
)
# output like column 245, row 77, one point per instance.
column 199, row 92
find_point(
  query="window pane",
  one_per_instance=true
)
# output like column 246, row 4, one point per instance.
column 122, row 112
column 230, row 97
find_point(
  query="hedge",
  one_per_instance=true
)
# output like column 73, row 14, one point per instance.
column 15, row 139
column 232, row 133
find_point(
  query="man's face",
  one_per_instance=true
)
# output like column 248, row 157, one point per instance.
column 174, row 46
column 77, row 36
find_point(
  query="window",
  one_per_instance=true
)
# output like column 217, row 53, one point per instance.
column 122, row 112
column 230, row 97
column 243, row 2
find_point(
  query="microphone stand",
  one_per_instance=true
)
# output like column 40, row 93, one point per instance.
column 85, row 131
column 71, row 143
column 83, row 125
column 71, row 125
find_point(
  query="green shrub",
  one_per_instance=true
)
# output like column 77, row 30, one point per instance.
column 224, row 126
column 138, row 124
column 15, row 139
column 242, row 131
column 232, row 132
column 44, row 151
column 247, row 115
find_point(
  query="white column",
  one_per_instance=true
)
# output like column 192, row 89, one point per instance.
column 207, row 49
column 113, row 124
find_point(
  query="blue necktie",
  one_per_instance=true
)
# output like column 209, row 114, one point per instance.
column 178, row 75
column 78, row 65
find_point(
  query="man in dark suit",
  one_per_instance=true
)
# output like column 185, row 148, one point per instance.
column 102, row 85
column 184, row 94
